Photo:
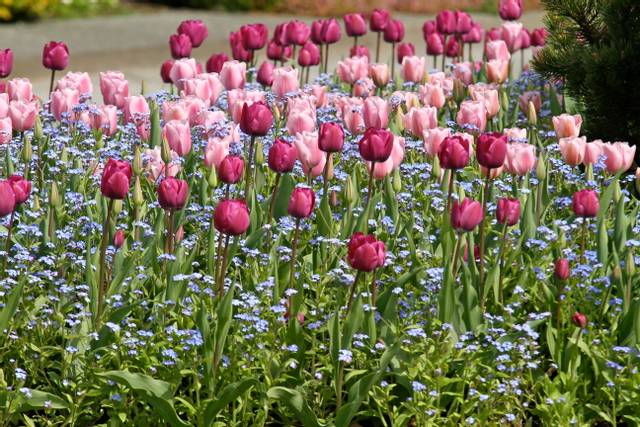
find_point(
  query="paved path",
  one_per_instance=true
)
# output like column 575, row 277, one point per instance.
column 137, row 44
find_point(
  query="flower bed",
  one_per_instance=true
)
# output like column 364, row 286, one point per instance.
column 383, row 244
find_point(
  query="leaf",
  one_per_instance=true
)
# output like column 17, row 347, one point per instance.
column 10, row 308
column 223, row 323
column 41, row 399
column 157, row 393
column 294, row 400
column 282, row 197
column 324, row 218
column 226, row 396
column 629, row 328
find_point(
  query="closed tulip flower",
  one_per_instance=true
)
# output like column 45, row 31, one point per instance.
column 180, row 46
column 579, row 319
column 418, row 120
column 55, row 56
column 429, row 27
column 173, row 193
column 492, row 149
column 178, row 135
column 183, row 69
column 254, row 36
column 472, row 113
column 405, row 50
column 105, row 119
column 230, row 169
column 331, row 32
column 463, row 22
column 313, row 159
column 6, row 62
column 309, row 55
column 561, row 269
column 586, row 204
column 231, row 217
column 435, row 44
column 21, row 188
column 376, row 145
column 136, row 109
column 256, row 119
column 511, row 35
column 497, row 49
column 215, row 62
column 114, row 88
column 20, row 89
column 301, row 202
column 510, row 10
column 521, row 158
column 116, row 177
column 538, row 37
column 573, row 149
column 619, row 156
column 297, row 32
column 380, row 74
column 119, row 239
column 7, row 198
column 375, row 112
column 63, row 102
column 195, row 29
column 508, row 211
column 275, row 51
column 6, row 130
column 316, row 31
column 23, row 115
column 452, row 48
column 454, row 152
column 474, row 35
column 567, row 125
column 394, row 31
column 365, row 253
column 282, row 157
column 331, row 137
column 466, row 216
column 265, row 73
column 413, row 68
column 446, row 22
column 232, row 74
column 355, row 24
column 350, row 70
column 379, row 20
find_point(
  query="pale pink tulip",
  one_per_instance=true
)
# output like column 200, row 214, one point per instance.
column 413, row 68
column 350, row 70
column 154, row 165
column 567, row 125
column 63, row 101
column 312, row 158
column 23, row 115
column 353, row 120
column 619, row 156
column 233, row 74
column 285, row 80
column 178, row 135
column 20, row 89
column 216, row 150
column 380, row 74
column 516, row 134
column 114, row 88
column 207, row 118
column 319, row 92
column 418, row 120
column 433, row 138
column 5, row 130
column 497, row 71
column 520, row 159
column 200, row 88
column 136, row 109
column 375, row 112
column 364, row 87
column 573, row 149
column 472, row 113
column 4, row 105
column 464, row 72
column 215, row 85
column 174, row 110
column 593, row 151
column 194, row 106
column 78, row 81
column 105, row 119
column 511, row 35
column 489, row 97
column 432, row 95
column 497, row 49
column 182, row 69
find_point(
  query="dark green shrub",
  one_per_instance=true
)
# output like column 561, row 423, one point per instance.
column 594, row 47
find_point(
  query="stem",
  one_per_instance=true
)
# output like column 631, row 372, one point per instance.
column 444, row 58
column 294, row 249
column 378, row 47
column 355, row 41
column 435, row 61
column 452, row 173
column 373, row 290
column 273, row 198
column 583, row 245
column 7, row 246
column 326, row 58
column 53, row 74
column 393, row 62
column 103, row 253
column 370, row 190
column 353, row 291
column 223, row 266
column 485, row 199
column 247, row 183
column 325, row 176
column 339, row 383
column 502, row 250
column 559, row 305
column 456, row 254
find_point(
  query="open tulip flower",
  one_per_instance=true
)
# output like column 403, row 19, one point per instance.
column 283, row 236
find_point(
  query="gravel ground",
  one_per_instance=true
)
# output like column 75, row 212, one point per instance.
column 137, row 44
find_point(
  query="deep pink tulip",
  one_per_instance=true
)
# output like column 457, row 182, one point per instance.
column 331, row 137
column 297, row 32
column 492, row 149
column 256, row 119
column 7, row 198
column 331, row 32
column 586, row 204
column 579, row 319
column 446, row 22
column 55, row 56
column 429, row 27
column 309, row 55
column 265, row 73
column 508, row 211
column 561, row 269
column 355, row 24
column 452, row 48
column 404, row 50
column 454, row 152
column 510, row 10
column 230, row 169
column 119, row 239
column 467, row 215
column 165, row 70
column 231, row 217
column 379, row 20
column 254, row 36
column 173, row 193
column 376, row 145
column 394, row 31
column 282, row 156
column 435, row 44
column 21, row 188
column 215, row 62
column 195, row 29
column 360, row 50
column 6, row 62
column 301, row 202
column 463, row 22
column 538, row 37
column 180, row 46
column 365, row 253
column 115, row 179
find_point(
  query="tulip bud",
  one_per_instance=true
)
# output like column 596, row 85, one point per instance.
column 397, row 180
column 532, row 116
column 165, row 151
column 37, row 129
column 617, row 192
column 27, row 150
column 179, row 235
column 348, row 191
column 137, row 161
column 54, row 195
column 579, row 319
column 213, row 178
column 118, row 239
column 259, row 157
column 504, row 101
column 138, row 198
column 333, row 198
column 561, row 269
column 117, row 207
column 458, row 91
column 276, row 113
column 64, row 155
column 36, row 203
column 630, row 265
column 541, row 168
column 616, row 273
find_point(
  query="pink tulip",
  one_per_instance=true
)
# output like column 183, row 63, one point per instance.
column 4, row 105
column 511, row 35
column 350, row 70
column 413, row 69
column 114, row 88
column 521, row 158
column 432, row 140
column 319, row 93
column 63, row 101
column 567, row 125
column 300, row 121
column 435, row 44
column 619, row 156
column 237, row 98
column 573, row 149
column 516, row 134
column 497, row 49
column 200, row 88
column 419, row 120
column 472, row 113
column 155, row 166
column 216, row 86
column 174, row 110
column 441, row 79
column 364, row 88
column 5, row 130
column 510, row 10
column 216, row 150
column 6, row 62
column 232, row 74
column 382, row 169
column 105, row 119
column 78, row 81
column 311, row 157
column 195, row 29
column 55, row 55
column 20, row 89
column 207, row 119
column 464, row 72
column 265, row 73
column 380, row 74
column 592, row 152
column 136, row 109
column 23, row 115
column 531, row 96
column 375, row 112
column 489, row 97
column 285, row 80
column 180, row 46
column 178, row 135
column 353, row 120
column 183, row 69
column 497, row 71
column 466, row 216
column 432, row 95
column 194, row 106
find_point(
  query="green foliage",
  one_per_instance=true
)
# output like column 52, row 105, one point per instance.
column 594, row 47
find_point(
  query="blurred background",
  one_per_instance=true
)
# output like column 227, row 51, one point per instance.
column 132, row 37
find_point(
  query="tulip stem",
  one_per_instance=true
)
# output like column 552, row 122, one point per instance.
column 378, row 47
column 452, row 173
column 370, row 190
column 53, row 77
column 223, row 267
column 393, row 63
column 273, row 198
column 326, row 57
column 352, row 294
column 456, row 254
column 103, row 254
column 485, row 199
column 583, row 245
column 503, row 247
column 373, row 290
column 325, row 176
column 435, row 61
column 444, row 58
column 247, row 182
column 7, row 246
column 292, row 270
column 355, row 42
column 559, row 305
column 339, row 381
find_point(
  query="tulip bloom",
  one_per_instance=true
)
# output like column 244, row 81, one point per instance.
column 173, row 193
column 466, row 216
column 376, row 145
column 508, row 211
column 55, row 56
column 365, row 253
column 215, row 62
column 510, row 10
column 281, row 157
column 561, row 269
column 231, row 217
column 195, row 29
column 232, row 74
column 375, row 112
column 178, row 135
column 115, row 179
column 6, row 62
column 265, row 73
column 301, row 202
column 256, row 119
column 454, row 152
column 573, row 149
column 473, row 114
column 285, row 80
column 520, row 159
column 380, row 74
column 586, row 204
column 119, row 239
column 331, row 137
column 7, row 198
column 567, row 126
column 413, row 69
column 619, row 156
column 492, row 150
column 180, row 46
column 355, row 24
column 419, row 120
column 230, row 169
column 579, row 319
column 23, row 115
column 6, row 130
